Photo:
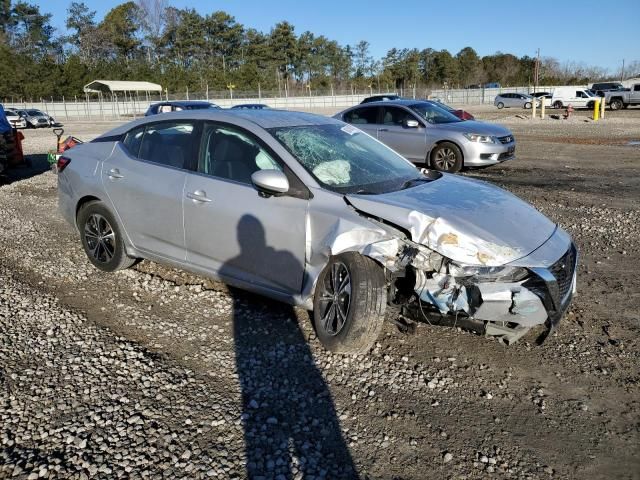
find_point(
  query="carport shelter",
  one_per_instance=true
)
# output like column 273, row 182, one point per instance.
column 123, row 87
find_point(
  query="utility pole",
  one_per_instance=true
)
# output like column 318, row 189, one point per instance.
column 536, row 74
column 622, row 72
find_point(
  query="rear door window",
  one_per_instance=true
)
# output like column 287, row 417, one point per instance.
column 168, row 143
column 362, row 116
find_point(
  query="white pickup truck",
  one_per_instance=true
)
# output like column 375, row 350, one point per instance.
column 623, row 98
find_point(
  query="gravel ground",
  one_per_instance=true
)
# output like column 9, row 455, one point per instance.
column 154, row 372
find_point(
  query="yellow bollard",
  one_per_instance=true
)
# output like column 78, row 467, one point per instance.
column 533, row 109
column 542, row 102
column 596, row 110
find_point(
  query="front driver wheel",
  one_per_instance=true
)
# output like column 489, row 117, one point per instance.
column 500, row 105
column 616, row 104
column 527, row 105
column 557, row 104
column 446, row 157
column 102, row 238
column 349, row 303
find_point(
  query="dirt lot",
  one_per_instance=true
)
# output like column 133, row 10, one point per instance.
column 152, row 372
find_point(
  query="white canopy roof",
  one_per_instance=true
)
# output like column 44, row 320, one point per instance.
column 109, row 86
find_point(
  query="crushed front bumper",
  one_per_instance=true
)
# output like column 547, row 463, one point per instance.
column 510, row 310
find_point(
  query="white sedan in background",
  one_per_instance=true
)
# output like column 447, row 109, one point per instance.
column 15, row 120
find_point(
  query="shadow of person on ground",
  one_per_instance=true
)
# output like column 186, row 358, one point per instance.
column 291, row 429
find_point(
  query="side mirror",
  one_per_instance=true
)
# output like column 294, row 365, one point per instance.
column 270, row 182
column 410, row 123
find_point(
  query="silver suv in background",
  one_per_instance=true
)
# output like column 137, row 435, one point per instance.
column 423, row 132
column 518, row 100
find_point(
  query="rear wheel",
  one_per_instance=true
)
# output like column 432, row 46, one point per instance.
column 349, row 303
column 557, row 104
column 102, row 238
column 616, row 104
column 500, row 105
column 446, row 157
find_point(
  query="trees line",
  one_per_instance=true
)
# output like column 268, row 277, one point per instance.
column 182, row 49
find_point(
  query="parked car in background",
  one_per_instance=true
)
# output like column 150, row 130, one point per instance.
column 250, row 106
column 383, row 97
column 177, row 106
column 425, row 133
column 15, row 120
column 617, row 99
column 599, row 89
column 311, row 211
column 458, row 112
column 543, row 97
column 36, row 118
column 517, row 100
column 574, row 96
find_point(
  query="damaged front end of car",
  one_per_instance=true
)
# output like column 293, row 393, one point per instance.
column 505, row 302
column 458, row 270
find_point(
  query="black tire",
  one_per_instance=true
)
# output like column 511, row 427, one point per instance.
column 106, row 251
column 365, row 304
column 527, row 105
column 500, row 105
column 442, row 159
column 616, row 104
column 557, row 104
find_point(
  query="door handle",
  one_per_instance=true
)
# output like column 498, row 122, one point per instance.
column 115, row 173
column 199, row 196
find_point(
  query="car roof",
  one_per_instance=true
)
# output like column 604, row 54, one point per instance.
column 183, row 103
column 400, row 101
column 266, row 118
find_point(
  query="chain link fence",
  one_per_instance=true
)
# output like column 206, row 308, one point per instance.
column 127, row 105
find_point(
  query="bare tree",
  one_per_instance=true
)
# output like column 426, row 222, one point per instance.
column 153, row 20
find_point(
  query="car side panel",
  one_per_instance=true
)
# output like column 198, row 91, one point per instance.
column 148, row 200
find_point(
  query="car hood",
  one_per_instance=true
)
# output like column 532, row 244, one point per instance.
column 474, row 126
column 468, row 221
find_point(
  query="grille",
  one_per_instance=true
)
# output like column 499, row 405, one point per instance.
column 505, row 155
column 507, row 139
column 563, row 271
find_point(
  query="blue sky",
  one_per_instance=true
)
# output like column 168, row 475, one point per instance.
column 487, row 26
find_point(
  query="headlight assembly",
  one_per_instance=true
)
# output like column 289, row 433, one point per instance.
column 476, row 137
column 506, row 273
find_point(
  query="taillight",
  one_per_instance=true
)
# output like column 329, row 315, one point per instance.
column 62, row 163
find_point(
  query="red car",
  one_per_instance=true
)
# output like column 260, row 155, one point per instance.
column 461, row 114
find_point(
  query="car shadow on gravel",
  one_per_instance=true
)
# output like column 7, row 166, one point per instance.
column 34, row 165
column 291, row 429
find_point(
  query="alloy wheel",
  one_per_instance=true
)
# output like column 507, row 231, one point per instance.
column 100, row 238
column 335, row 298
column 445, row 159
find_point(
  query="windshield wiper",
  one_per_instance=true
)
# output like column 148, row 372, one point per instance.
column 365, row 192
column 409, row 183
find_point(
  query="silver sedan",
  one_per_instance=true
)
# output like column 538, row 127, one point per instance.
column 517, row 100
column 427, row 134
column 312, row 211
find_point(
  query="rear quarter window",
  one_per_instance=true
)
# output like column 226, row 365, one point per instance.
column 132, row 141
